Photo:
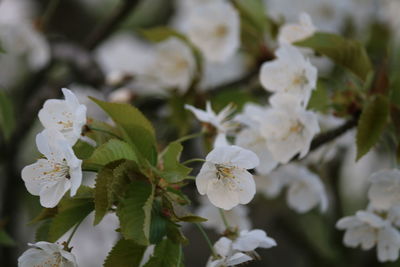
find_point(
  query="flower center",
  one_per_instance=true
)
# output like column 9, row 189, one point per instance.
column 224, row 171
column 295, row 128
column 300, row 79
column 59, row 169
column 221, row 31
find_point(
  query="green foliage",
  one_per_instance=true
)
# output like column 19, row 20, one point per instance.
column 5, row 239
column 66, row 219
column 319, row 100
column 134, row 212
column 102, row 198
column 7, row 119
column 166, row 254
column 174, row 171
column 125, row 253
column 159, row 34
column 136, row 128
column 83, row 150
column 111, row 151
column 347, row 53
column 253, row 11
column 42, row 232
column 373, row 120
column 237, row 97
column 158, row 225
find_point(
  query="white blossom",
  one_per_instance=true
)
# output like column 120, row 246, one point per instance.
column 237, row 216
column 237, row 251
column 250, row 240
column 293, row 32
column 289, row 128
column 66, row 116
column 46, row 254
column 220, row 121
column 384, row 191
column 226, row 256
column 174, row 64
column 367, row 230
column 289, row 73
column 251, row 138
column 224, row 178
column 215, row 29
column 59, row 171
column 305, row 189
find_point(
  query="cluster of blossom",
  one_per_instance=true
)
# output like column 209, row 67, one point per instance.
column 59, row 171
column 379, row 223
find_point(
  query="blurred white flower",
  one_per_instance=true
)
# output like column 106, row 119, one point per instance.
column 290, row 73
column 271, row 185
column 226, row 255
column 220, row 121
column 251, row 137
column 288, row 128
column 215, row 29
column 305, row 189
column 250, row 240
column 237, row 216
column 174, row 64
column 46, row 254
column 224, row 177
column 293, row 32
column 66, row 116
column 368, row 229
column 60, row 171
column 384, row 191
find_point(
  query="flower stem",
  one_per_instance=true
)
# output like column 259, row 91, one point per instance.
column 221, row 212
column 205, row 236
column 188, row 137
column 103, row 131
column 72, row 233
column 193, row 160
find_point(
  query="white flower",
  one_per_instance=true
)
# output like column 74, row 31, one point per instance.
column 291, row 32
column 54, row 175
column 224, row 178
column 234, row 252
column 252, row 139
column 215, row 29
column 368, row 229
column 272, row 184
column 66, row 116
column 174, row 64
column 46, row 254
column 237, row 216
column 250, row 240
column 305, row 189
column 384, row 191
column 290, row 73
column 226, row 255
column 220, row 121
column 288, row 128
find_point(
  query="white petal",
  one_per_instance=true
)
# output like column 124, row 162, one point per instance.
column 223, row 246
column 207, row 173
column 250, row 240
column 233, row 156
column 51, row 194
column 246, row 186
column 388, row 244
column 238, row 258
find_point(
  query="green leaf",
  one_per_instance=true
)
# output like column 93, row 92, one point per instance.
column 46, row 213
column 102, row 201
column 134, row 212
column 137, row 129
column 42, row 232
column 373, row 120
column 7, row 119
column 111, row 151
column 319, row 100
column 6, row 240
column 83, row 150
column 158, row 225
column 125, row 253
column 175, row 234
column 347, row 53
column 254, row 11
column 166, row 254
column 174, row 172
column 66, row 219
column 159, row 34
